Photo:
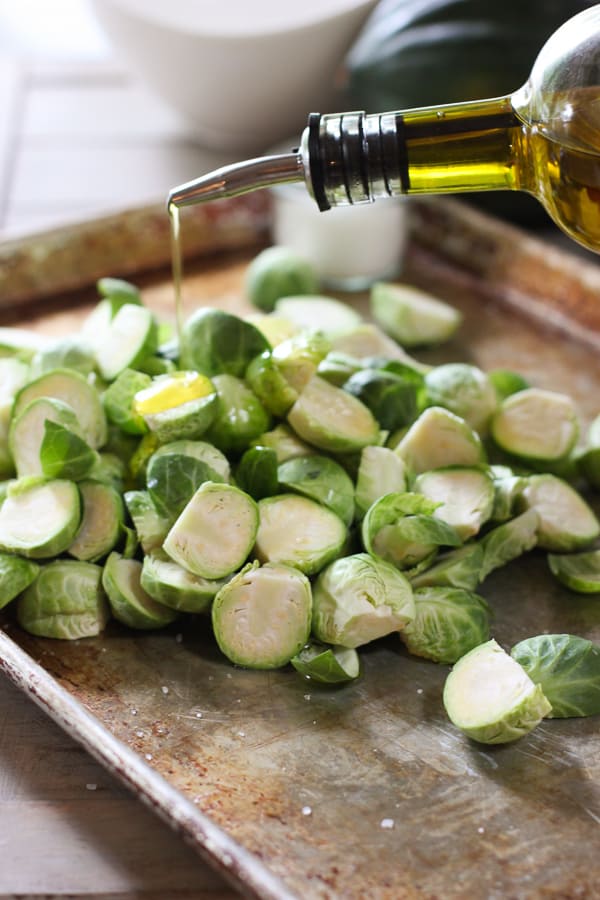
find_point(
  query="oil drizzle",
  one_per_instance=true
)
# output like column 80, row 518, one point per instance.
column 177, row 266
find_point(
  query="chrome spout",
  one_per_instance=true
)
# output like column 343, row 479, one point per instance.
column 239, row 178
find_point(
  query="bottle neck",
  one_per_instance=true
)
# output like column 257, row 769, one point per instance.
column 355, row 158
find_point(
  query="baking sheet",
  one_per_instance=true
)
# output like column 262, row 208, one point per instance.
column 364, row 791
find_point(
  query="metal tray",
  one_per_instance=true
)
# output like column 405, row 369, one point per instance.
column 296, row 791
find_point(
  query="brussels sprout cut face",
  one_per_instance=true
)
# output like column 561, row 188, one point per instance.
column 261, row 618
column 491, row 698
column 299, row 532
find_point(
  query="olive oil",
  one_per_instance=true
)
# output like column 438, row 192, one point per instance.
column 176, row 265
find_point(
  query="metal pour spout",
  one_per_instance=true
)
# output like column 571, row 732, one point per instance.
column 239, row 178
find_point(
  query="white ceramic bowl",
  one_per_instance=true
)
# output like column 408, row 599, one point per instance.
column 245, row 73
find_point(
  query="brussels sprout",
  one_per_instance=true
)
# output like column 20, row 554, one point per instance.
column 491, row 698
column 465, row 390
column 507, row 382
column 332, row 419
column 567, row 669
column 327, row 665
column 156, row 365
column 278, row 272
column 285, row 443
column 129, row 602
column 299, row 357
column 380, row 471
column 215, row 532
column 566, row 522
column 322, row 479
column 16, row 574
column 459, row 568
column 448, row 622
column 298, row 532
column 176, row 470
column 66, row 353
column 391, row 398
column 507, row 490
column 401, row 529
column 368, row 341
column 173, row 586
column 65, row 601
column 274, row 328
column 411, row 316
column 28, row 428
column 536, row 424
column 118, row 292
column 579, row 572
column 177, row 406
column 75, row 390
column 358, row 599
column 126, row 339
column 508, row 541
column 270, row 385
column 588, row 458
column 336, row 367
column 439, row 438
column 13, row 375
column 465, row 495
column 22, row 344
column 63, row 454
column 118, row 401
column 333, row 317
column 240, row 417
column 261, row 618
column 257, row 472
column 215, row 342
column 101, row 521
column 39, row 519
column 109, row 469
column 151, row 527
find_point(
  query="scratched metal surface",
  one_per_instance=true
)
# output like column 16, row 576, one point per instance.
column 365, row 791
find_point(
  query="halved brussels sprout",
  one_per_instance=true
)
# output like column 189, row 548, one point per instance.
column 13, row 375
column 332, row 317
column 285, row 443
column 322, row 479
column 28, row 429
column 270, row 384
column 507, row 382
column 256, row 472
column 332, row 419
column 448, row 622
column 170, row 584
column 129, row 336
column 391, row 398
column 465, row 495
column 579, row 572
column 336, row 367
column 151, row 527
column 465, row 390
column 16, row 574
column 129, row 602
column 507, row 490
column 101, row 521
column 566, row 521
column 567, row 668
column 177, row 406
column 261, row 618
column 536, row 424
column 118, row 401
column 240, row 416
column 65, row 601
column 459, row 568
column 411, row 316
column 380, row 471
column 63, row 454
column 298, row 532
column 39, row 519
column 215, row 532
column 299, row 357
column 358, row 599
column 490, row 697
column 277, row 272
column 118, row 292
column 77, row 392
column 439, row 438
column 216, row 342
column 176, row 470
column 65, row 353
column 401, row 529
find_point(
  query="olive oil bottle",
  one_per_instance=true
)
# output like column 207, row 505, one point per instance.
column 544, row 140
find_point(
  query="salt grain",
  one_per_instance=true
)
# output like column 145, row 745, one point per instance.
column 148, row 756
column 165, row 689
column 91, row 787
column 306, row 810
column 386, row 823
column 481, row 830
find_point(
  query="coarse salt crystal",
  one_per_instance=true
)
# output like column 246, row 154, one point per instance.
column 306, row 810
column 386, row 823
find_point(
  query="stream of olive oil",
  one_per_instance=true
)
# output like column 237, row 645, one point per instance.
column 177, row 266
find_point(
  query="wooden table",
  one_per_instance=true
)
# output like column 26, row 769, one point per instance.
column 77, row 141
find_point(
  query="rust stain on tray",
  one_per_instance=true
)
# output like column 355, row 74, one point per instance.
column 364, row 791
